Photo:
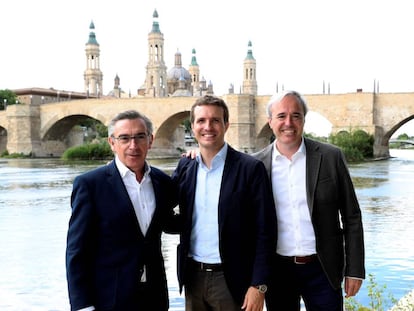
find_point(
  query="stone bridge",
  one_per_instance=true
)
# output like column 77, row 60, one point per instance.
column 46, row 129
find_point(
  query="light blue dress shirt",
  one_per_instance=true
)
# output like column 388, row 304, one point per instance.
column 204, row 245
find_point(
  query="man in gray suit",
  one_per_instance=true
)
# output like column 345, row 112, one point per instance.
column 320, row 233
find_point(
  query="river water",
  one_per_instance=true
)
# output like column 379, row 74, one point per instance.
column 34, row 214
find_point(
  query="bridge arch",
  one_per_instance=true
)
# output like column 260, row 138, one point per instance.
column 378, row 114
column 169, row 135
column 397, row 126
column 64, row 133
column 317, row 124
column 3, row 139
column 264, row 137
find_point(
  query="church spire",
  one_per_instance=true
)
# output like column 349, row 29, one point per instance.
column 249, row 72
column 156, row 70
column 93, row 75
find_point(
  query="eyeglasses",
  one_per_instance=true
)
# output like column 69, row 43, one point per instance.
column 140, row 138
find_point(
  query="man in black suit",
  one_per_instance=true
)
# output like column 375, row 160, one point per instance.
column 113, row 256
column 320, row 233
column 229, row 232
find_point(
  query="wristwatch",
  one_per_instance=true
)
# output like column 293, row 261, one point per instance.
column 262, row 288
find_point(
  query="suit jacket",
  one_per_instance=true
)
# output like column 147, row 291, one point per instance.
column 334, row 210
column 246, row 216
column 106, row 250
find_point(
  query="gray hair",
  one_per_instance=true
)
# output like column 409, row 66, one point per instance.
column 130, row 115
column 279, row 96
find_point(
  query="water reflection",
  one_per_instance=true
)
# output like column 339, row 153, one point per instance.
column 386, row 200
column 367, row 182
column 34, row 213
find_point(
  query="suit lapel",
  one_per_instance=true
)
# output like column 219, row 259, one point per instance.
column 229, row 179
column 231, row 164
column 158, row 197
column 123, row 201
column 313, row 163
column 267, row 160
column 190, row 183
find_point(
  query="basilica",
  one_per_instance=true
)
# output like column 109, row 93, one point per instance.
column 161, row 81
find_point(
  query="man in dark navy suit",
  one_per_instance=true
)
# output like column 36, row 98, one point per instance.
column 229, row 232
column 113, row 256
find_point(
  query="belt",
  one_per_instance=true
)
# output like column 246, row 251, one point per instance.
column 206, row 267
column 301, row 260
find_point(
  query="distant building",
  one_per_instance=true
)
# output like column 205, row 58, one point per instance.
column 159, row 82
column 93, row 75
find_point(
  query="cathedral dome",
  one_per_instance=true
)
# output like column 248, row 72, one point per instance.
column 178, row 71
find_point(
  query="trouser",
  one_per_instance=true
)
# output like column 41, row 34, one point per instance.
column 208, row 291
column 292, row 281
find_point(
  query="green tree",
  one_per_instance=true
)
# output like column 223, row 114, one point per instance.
column 7, row 97
column 403, row 136
column 357, row 145
column 96, row 129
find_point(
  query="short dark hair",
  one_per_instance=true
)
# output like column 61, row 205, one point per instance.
column 210, row 100
column 130, row 115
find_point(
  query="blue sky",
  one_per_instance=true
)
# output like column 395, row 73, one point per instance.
column 297, row 44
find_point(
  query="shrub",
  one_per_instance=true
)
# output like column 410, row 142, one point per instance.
column 94, row 151
column 357, row 145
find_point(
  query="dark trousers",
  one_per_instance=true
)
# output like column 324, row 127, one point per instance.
column 143, row 298
column 291, row 282
column 208, row 291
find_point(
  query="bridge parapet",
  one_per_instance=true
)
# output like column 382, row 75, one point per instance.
column 39, row 129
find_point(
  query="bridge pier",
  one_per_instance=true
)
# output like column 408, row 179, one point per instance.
column 381, row 152
column 241, row 134
column 24, row 129
column 381, row 148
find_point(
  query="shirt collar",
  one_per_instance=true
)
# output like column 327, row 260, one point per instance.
column 220, row 156
column 124, row 170
column 301, row 149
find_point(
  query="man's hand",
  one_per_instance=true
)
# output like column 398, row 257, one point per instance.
column 352, row 286
column 190, row 154
column 254, row 300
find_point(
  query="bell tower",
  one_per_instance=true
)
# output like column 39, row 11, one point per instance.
column 156, row 70
column 194, row 71
column 249, row 73
column 93, row 75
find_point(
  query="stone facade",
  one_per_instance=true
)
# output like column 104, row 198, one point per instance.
column 42, row 130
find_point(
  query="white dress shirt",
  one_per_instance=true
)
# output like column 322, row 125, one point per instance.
column 141, row 194
column 296, row 236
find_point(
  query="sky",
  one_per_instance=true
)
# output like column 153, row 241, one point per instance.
column 297, row 44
